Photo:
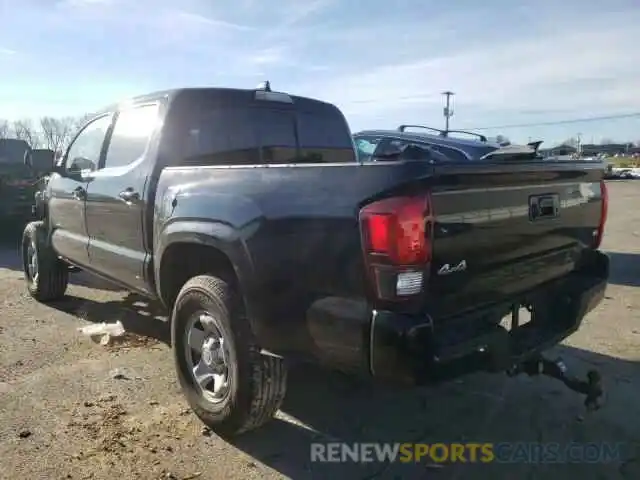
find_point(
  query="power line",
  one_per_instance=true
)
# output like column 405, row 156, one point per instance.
column 561, row 122
column 404, row 97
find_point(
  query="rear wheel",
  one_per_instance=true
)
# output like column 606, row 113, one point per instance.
column 47, row 277
column 230, row 385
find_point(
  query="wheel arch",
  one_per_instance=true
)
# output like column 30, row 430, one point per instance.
column 187, row 249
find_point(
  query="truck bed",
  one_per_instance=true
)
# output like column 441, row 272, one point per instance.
column 296, row 229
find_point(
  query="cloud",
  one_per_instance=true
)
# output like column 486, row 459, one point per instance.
column 7, row 51
column 268, row 56
column 293, row 13
column 299, row 11
column 189, row 19
column 85, row 3
column 508, row 63
column 146, row 14
column 574, row 69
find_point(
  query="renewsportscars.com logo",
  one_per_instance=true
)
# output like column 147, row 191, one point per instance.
column 506, row 452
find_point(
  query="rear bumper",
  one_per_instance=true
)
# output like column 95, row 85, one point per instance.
column 412, row 349
column 420, row 350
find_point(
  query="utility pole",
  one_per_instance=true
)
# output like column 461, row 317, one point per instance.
column 579, row 144
column 448, row 113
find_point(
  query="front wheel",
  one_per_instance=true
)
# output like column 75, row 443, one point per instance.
column 230, row 385
column 46, row 276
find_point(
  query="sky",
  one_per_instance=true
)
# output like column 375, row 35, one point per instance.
column 513, row 65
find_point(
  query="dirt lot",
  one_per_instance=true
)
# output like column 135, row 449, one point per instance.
column 74, row 409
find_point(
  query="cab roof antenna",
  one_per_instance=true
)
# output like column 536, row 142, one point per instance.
column 266, row 86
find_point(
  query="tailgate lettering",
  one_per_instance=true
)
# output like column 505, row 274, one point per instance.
column 447, row 269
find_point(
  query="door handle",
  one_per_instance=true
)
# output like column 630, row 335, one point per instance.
column 129, row 195
column 79, row 193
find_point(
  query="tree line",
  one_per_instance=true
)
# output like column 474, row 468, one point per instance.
column 53, row 133
column 575, row 141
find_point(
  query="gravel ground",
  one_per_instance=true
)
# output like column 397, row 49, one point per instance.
column 70, row 408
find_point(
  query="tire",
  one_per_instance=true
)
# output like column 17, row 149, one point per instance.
column 52, row 277
column 257, row 384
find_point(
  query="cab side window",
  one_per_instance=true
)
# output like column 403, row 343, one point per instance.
column 131, row 134
column 84, row 152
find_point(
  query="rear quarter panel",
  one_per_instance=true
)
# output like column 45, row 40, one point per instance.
column 293, row 232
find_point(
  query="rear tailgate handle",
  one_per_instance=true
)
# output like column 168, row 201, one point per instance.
column 544, row 206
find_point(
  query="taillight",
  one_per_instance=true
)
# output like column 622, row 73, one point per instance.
column 599, row 233
column 397, row 243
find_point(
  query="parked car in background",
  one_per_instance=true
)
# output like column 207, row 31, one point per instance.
column 608, row 172
column 444, row 145
column 21, row 169
column 626, row 173
column 620, row 173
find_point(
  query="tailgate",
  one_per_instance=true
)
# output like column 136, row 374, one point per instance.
column 503, row 229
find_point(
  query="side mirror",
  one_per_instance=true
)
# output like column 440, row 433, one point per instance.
column 75, row 168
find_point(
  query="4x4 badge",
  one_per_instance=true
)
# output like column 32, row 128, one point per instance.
column 446, row 269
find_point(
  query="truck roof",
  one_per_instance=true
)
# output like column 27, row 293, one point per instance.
column 220, row 95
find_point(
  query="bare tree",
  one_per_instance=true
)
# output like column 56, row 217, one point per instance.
column 23, row 130
column 4, row 129
column 82, row 119
column 57, row 132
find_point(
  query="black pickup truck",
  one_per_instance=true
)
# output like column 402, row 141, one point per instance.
column 21, row 169
column 249, row 215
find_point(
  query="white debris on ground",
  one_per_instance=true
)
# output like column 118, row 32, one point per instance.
column 103, row 333
column 111, row 335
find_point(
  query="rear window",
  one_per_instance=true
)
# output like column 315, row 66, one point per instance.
column 249, row 136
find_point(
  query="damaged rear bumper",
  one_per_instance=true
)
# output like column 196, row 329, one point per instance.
column 418, row 350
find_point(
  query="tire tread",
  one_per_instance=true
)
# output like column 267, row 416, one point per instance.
column 53, row 275
column 268, row 374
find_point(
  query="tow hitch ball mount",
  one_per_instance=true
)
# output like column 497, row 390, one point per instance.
column 591, row 387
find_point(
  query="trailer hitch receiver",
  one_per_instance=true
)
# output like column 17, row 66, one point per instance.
column 591, row 387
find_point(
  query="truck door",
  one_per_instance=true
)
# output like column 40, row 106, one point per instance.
column 68, row 189
column 115, row 199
